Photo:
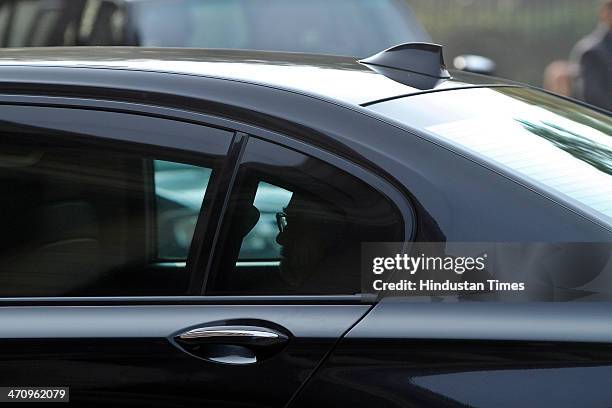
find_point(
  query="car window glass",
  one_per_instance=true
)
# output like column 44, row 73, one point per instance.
column 260, row 242
column 179, row 191
column 322, row 215
column 82, row 221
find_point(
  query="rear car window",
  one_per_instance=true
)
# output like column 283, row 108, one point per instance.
column 563, row 146
column 295, row 225
column 81, row 221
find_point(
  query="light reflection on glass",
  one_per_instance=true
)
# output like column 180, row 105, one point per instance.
column 562, row 145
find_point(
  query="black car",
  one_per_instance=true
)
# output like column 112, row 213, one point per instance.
column 113, row 283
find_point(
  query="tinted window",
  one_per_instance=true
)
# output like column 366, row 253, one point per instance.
column 179, row 191
column 260, row 242
column 81, row 220
column 300, row 222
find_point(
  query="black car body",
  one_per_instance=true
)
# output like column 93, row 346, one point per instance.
column 92, row 300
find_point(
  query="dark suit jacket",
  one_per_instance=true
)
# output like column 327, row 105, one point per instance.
column 592, row 57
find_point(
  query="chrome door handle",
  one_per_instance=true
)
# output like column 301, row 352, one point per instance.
column 236, row 345
column 239, row 335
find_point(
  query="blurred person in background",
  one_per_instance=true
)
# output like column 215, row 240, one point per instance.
column 592, row 60
column 558, row 78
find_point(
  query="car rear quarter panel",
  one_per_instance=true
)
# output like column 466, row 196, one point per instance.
column 471, row 354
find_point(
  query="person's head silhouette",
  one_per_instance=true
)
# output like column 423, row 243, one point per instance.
column 309, row 230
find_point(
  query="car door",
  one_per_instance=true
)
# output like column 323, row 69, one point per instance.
column 111, row 220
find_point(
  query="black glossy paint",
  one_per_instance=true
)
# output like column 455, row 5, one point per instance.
column 127, row 355
column 471, row 354
column 405, row 373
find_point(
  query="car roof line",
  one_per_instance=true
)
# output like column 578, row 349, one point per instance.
column 429, row 91
column 321, row 97
column 316, row 73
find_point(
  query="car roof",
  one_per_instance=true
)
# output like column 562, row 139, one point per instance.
column 331, row 77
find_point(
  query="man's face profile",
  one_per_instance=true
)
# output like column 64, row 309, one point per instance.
column 302, row 239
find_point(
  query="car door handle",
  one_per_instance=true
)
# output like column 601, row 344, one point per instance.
column 232, row 344
column 252, row 336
